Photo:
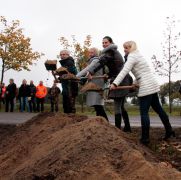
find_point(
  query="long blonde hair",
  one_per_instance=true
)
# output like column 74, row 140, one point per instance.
column 131, row 45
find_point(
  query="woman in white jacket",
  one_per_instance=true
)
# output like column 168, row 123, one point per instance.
column 148, row 90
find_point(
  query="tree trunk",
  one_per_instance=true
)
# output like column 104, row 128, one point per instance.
column 2, row 72
column 169, row 74
column 169, row 94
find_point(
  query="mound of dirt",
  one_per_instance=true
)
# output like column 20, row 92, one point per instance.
column 74, row 147
column 90, row 86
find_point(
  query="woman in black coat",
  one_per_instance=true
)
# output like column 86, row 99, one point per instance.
column 112, row 58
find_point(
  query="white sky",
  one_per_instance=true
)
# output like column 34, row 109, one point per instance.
column 44, row 21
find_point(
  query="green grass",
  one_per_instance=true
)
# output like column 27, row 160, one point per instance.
column 109, row 107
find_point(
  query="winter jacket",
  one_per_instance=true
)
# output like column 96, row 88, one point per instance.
column 11, row 91
column 92, row 97
column 53, row 94
column 24, row 90
column 69, row 88
column 32, row 90
column 142, row 72
column 41, row 91
column 111, row 58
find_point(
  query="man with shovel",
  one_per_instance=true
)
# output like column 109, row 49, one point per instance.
column 69, row 88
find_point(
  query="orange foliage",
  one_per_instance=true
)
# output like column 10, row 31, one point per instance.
column 15, row 49
column 79, row 52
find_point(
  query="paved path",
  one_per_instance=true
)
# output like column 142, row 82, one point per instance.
column 15, row 117
column 18, row 118
column 155, row 121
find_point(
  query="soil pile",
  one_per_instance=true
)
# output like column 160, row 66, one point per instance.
column 74, row 147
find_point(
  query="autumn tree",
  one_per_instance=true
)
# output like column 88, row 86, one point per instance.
column 79, row 51
column 15, row 49
column 171, row 55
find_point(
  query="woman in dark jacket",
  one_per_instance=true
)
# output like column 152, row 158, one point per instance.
column 112, row 58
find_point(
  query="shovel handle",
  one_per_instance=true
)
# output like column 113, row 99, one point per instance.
column 95, row 77
column 126, row 87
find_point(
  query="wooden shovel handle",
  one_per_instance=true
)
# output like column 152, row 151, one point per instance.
column 127, row 87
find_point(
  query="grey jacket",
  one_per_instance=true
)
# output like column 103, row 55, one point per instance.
column 93, row 98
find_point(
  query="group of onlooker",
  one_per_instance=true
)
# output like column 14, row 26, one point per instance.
column 31, row 98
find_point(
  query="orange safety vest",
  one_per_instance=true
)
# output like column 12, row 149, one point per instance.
column 41, row 91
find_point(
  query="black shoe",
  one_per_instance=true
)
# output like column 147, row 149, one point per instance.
column 169, row 135
column 144, row 141
column 127, row 130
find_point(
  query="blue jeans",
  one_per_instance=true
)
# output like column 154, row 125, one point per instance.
column 153, row 101
column 24, row 103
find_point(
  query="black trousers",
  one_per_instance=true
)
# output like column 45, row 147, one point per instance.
column 54, row 105
column 40, row 102
column 69, row 104
column 32, row 104
column 9, row 101
column 100, row 111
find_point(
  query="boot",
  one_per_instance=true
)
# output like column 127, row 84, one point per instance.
column 118, row 120
column 145, row 139
column 168, row 128
column 127, row 127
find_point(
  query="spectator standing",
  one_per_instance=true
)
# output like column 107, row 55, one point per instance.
column 24, row 93
column 31, row 100
column 10, row 95
column 54, row 93
column 3, row 93
column 41, row 92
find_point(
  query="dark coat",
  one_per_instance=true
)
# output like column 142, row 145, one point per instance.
column 32, row 90
column 53, row 94
column 112, row 58
column 24, row 91
column 11, row 91
column 69, row 88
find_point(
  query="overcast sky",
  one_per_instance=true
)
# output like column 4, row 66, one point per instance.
column 44, row 21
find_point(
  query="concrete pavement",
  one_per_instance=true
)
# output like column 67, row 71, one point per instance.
column 15, row 117
column 155, row 121
column 18, row 118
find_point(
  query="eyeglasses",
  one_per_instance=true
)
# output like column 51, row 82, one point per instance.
column 63, row 54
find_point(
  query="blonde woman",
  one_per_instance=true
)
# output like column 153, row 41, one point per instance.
column 148, row 90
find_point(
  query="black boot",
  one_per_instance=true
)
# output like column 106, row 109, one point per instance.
column 127, row 127
column 145, row 139
column 168, row 128
column 100, row 111
column 118, row 120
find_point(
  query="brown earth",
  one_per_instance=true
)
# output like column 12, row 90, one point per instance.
column 74, row 147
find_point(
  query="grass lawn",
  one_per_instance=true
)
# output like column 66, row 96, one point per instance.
column 109, row 107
